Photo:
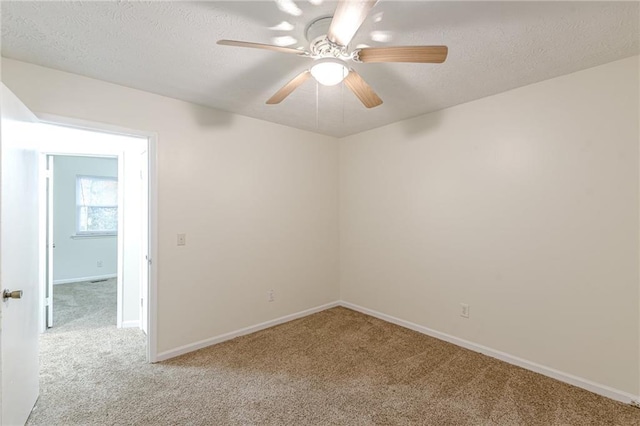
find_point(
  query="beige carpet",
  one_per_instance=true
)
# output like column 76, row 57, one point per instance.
column 84, row 305
column 337, row 367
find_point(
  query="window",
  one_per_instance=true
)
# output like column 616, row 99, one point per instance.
column 96, row 205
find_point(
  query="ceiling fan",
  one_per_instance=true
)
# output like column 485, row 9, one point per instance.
column 329, row 39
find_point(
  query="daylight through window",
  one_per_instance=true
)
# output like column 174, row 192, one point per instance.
column 96, row 205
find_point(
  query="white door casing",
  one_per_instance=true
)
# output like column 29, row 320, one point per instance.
column 19, row 267
column 50, row 243
column 152, row 206
column 144, row 234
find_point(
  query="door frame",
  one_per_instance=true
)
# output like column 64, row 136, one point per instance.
column 152, row 141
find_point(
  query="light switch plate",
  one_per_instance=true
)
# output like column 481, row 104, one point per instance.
column 182, row 239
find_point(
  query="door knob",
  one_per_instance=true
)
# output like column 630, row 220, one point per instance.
column 8, row 294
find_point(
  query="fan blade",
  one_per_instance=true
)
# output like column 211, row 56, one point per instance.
column 422, row 54
column 349, row 15
column 289, row 87
column 261, row 46
column 362, row 90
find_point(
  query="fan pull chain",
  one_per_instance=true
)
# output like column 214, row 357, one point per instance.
column 342, row 96
column 317, row 105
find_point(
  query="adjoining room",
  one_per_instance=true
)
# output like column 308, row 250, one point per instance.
column 85, row 229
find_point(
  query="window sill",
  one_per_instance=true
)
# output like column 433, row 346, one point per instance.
column 90, row 236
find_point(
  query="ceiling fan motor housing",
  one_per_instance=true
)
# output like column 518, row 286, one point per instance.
column 319, row 44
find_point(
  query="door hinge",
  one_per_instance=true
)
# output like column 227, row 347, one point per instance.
column 141, row 302
column 47, row 301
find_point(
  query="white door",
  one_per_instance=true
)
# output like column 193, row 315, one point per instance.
column 144, row 233
column 19, row 271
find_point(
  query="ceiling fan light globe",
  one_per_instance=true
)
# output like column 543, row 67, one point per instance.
column 329, row 72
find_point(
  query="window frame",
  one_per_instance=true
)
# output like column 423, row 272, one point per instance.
column 78, row 207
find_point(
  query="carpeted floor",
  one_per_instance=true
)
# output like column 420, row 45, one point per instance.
column 337, row 367
column 84, row 305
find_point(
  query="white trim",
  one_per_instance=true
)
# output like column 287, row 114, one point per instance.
column 120, row 241
column 92, row 236
column 152, row 298
column 130, row 324
column 80, row 279
column 580, row 382
column 78, row 123
column 42, row 248
column 247, row 330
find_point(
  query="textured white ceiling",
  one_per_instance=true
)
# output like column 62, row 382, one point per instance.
column 170, row 48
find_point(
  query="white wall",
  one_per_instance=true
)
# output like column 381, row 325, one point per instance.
column 523, row 205
column 258, row 202
column 77, row 258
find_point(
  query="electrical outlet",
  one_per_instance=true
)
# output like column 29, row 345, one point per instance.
column 464, row 310
column 635, row 403
column 99, row 263
column 271, row 296
column 182, row 239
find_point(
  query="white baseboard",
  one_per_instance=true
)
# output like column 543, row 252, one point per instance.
column 81, row 279
column 130, row 324
column 247, row 330
column 580, row 382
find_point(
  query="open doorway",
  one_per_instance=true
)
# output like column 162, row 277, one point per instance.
column 82, row 208
column 24, row 138
column 95, row 229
